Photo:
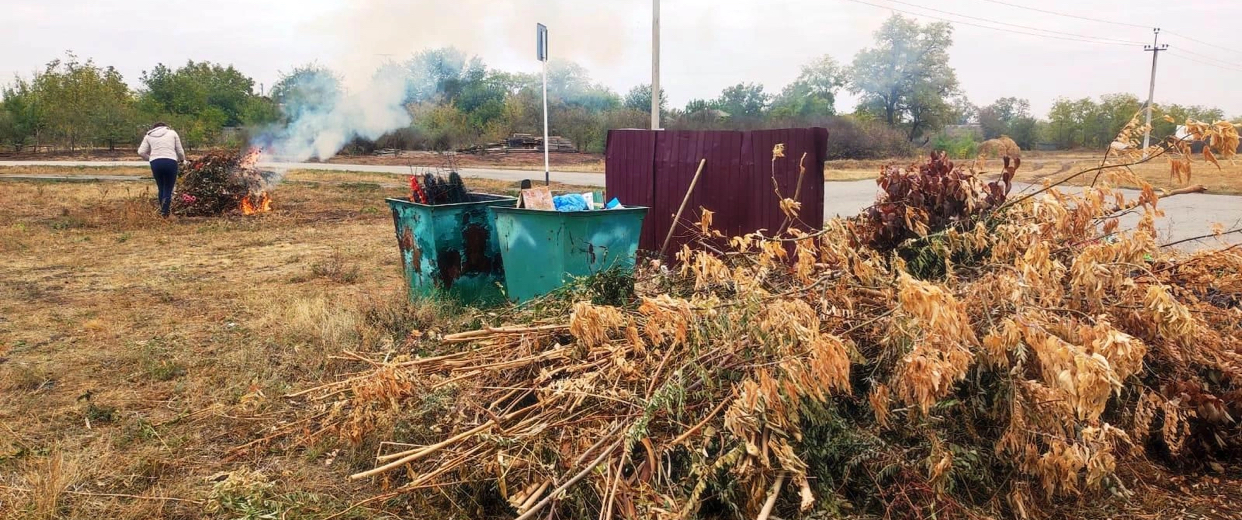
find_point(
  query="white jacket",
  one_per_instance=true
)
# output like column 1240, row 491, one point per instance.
column 162, row 143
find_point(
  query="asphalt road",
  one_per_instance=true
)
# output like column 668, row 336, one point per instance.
column 1186, row 216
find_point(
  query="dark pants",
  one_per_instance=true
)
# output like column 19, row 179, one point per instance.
column 165, row 173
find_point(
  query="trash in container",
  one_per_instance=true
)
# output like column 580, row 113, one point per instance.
column 451, row 250
column 542, row 250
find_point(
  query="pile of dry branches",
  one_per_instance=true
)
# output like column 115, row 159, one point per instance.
column 223, row 182
column 816, row 372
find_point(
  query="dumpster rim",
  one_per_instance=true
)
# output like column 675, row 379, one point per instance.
column 627, row 209
column 499, row 198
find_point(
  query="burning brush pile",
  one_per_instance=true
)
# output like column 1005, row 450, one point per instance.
column 956, row 351
column 220, row 183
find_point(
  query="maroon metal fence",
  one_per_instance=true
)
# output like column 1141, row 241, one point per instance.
column 654, row 168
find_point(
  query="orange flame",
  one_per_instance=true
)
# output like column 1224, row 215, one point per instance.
column 254, row 202
column 251, row 158
column 250, row 207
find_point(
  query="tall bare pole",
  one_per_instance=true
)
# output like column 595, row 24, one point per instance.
column 655, row 64
column 1155, row 49
column 541, row 50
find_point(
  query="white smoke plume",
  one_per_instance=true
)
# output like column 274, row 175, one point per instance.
column 320, row 127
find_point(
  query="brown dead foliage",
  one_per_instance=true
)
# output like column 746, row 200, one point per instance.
column 998, row 355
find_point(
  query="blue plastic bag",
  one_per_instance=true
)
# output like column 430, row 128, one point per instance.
column 570, row 202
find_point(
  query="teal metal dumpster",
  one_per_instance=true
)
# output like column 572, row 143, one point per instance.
column 451, row 250
column 542, row 250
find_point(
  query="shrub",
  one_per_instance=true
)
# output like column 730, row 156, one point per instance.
column 849, row 138
column 960, row 147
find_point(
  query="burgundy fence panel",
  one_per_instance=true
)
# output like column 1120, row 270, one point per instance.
column 654, row 168
column 630, row 153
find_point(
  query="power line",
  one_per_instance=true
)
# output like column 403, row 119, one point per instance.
column 1210, row 58
column 1045, row 11
column 1128, row 42
column 1009, row 31
column 1188, row 58
column 1179, row 35
column 1123, row 24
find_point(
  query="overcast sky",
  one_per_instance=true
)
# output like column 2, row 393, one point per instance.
column 707, row 44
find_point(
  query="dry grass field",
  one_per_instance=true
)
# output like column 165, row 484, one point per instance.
column 136, row 352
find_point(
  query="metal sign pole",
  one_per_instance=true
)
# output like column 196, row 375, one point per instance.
column 547, row 176
column 542, row 34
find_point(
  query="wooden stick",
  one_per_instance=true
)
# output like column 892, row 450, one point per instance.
column 801, row 174
column 684, row 200
column 771, row 502
column 370, row 374
column 686, row 435
column 581, row 475
column 530, row 500
column 491, row 331
column 413, row 455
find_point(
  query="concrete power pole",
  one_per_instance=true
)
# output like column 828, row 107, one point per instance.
column 655, row 64
column 1155, row 49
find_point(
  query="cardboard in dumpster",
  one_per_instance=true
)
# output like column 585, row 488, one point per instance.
column 537, row 198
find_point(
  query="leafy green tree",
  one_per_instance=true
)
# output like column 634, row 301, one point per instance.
column 9, row 133
column 964, row 112
column 813, row 93
column 639, row 99
column 260, row 111
column 1180, row 113
column 305, row 89
column 83, row 102
column 905, row 80
column 25, row 116
column 698, row 105
column 1009, row 116
column 438, row 75
column 196, row 86
column 743, row 101
column 1115, row 111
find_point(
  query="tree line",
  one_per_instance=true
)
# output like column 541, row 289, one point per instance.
column 908, row 93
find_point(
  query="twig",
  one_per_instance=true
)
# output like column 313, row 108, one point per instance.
column 771, row 501
column 360, row 377
column 408, row 456
column 684, row 200
column 1201, row 237
column 597, row 444
column 686, row 434
column 279, row 432
column 581, row 475
column 1074, row 176
column 797, row 190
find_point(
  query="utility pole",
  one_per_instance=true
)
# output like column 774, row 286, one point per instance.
column 1155, row 49
column 655, row 64
column 541, row 32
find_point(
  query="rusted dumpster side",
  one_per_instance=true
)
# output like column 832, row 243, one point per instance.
column 451, row 250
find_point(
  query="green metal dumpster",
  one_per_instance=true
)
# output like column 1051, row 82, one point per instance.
column 542, row 250
column 451, row 250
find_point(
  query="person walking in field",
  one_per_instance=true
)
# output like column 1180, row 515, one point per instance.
column 162, row 148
